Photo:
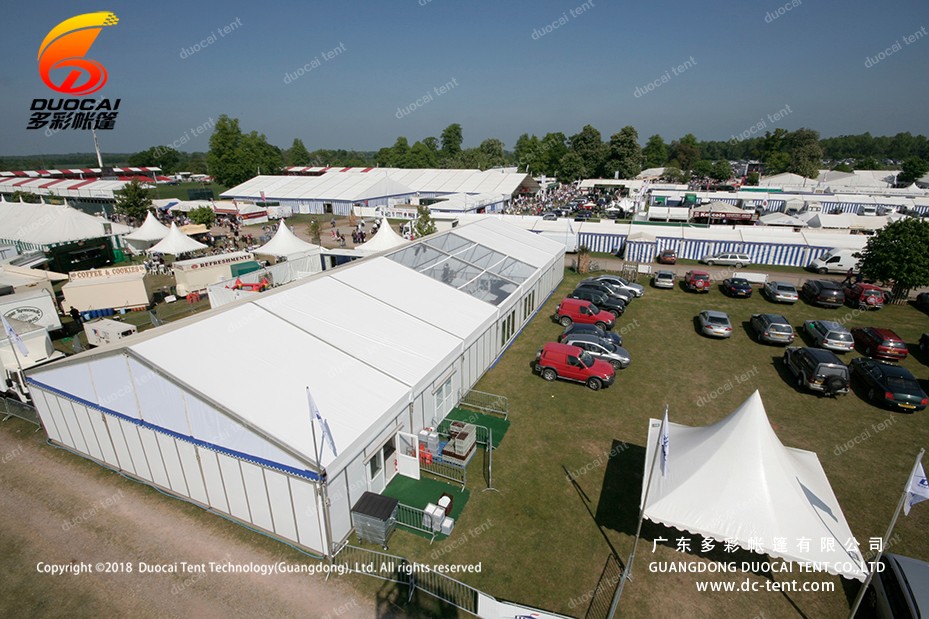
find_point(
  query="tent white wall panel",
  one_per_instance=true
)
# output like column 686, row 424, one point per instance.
column 257, row 495
column 134, row 442
column 123, row 457
column 161, row 401
column 193, row 475
column 213, row 480
column 235, row 487
column 341, row 502
column 50, row 422
column 153, row 456
column 282, row 507
column 74, row 429
column 102, row 434
column 172, row 461
column 113, row 385
column 307, row 512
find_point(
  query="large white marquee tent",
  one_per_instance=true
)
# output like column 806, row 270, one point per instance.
column 735, row 480
column 386, row 345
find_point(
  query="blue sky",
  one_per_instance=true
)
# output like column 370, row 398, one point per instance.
column 743, row 62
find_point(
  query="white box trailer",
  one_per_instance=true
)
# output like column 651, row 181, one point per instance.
column 36, row 307
column 118, row 288
column 105, row 331
column 197, row 274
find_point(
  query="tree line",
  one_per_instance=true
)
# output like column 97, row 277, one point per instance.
column 236, row 156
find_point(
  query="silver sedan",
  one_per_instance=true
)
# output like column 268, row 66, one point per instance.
column 714, row 324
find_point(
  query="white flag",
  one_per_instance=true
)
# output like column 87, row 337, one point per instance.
column 665, row 444
column 917, row 489
column 316, row 417
column 14, row 337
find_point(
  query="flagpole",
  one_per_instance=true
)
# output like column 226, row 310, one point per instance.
column 906, row 491
column 622, row 582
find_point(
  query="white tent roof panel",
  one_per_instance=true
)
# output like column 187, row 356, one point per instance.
column 535, row 250
column 274, row 398
column 372, row 332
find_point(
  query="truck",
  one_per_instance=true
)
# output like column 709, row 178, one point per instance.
column 36, row 307
column 836, row 260
column 38, row 351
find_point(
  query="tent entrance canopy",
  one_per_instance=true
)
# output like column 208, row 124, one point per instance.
column 735, row 481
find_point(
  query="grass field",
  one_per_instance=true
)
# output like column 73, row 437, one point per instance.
column 179, row 191
column 544, row 541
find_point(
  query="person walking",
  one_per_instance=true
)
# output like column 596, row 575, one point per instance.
column 848, row 276
column 75, row 315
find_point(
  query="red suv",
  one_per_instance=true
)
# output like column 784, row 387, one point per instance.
column 573, row 363
column 583, row 312
column 698, row 281
column 865, row 296
column 880, row 343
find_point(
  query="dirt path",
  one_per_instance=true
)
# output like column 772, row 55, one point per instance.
column 62, row 510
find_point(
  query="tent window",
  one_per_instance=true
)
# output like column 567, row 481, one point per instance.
column 375, row 464
column 442, row 397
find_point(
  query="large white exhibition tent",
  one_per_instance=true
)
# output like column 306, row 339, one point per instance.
column 40, row 226
column 735, row 480
column 285, row 243
column 386, row 345
column 175, row 243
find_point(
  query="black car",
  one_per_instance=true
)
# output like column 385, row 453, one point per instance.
column 922, row 300
column 737, row 287
column 889, row 384
column 604, row 288
column 576, row 328
column 824, row 292
column 611, row 304
column 818, row 370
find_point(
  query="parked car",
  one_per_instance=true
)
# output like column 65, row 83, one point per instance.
column 773, row 329
column 780, row 292
column 698, row 281
column 608, row 289
column 730, row 259
column 582, row 215
column 622, row 284
column 829, row 334
column 823, row 292
column 924, row 342
column 864, row 296
column 663, row 279
column 880, row 343
column 899, row 589
column 817, row 369
column 889, row 384
column 667, row 256
column 578, row 310
column 556, row 360
column 576, row 328
column 609, row 303
column 922, row 300
column 550, row 216
column 714, row 324
column 737, row 287
column 617, row 356
column 835, row 261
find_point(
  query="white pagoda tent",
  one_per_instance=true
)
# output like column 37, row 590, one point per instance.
column 285, row 243
column 175, row 243
column 386, row 238
column 735, row 480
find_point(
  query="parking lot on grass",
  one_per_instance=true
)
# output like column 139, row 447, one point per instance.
column 569, row 473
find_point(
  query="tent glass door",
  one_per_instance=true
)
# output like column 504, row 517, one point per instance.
column 408, row 455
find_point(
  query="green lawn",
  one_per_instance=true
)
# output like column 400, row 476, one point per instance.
column 179, row 191
column 545, row 541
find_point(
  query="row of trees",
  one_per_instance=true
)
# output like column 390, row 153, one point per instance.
column 235, row 156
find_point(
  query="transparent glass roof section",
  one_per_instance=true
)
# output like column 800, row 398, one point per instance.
column 475, row 269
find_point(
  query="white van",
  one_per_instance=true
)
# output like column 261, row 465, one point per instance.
column 835, row 261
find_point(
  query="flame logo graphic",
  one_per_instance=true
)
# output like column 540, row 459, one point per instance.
column 66, row 45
